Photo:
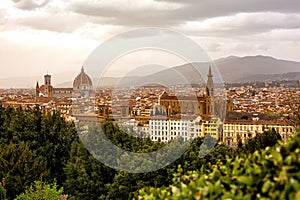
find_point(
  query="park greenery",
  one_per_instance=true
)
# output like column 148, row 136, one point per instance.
column 42, row 157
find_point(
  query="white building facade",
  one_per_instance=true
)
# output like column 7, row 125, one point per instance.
column 165, row 129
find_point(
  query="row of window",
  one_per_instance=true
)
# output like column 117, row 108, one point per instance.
column 253, row 128
column 62, row 92
column 164, row 139
column 159, row 133
column 172, row 128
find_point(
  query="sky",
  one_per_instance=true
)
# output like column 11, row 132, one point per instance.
column 56, row 36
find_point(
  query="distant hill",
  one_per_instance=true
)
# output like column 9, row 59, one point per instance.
column 235, row 69
column 271, row 77
column 232, row 69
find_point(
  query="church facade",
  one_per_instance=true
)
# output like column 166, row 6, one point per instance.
column 202, row 105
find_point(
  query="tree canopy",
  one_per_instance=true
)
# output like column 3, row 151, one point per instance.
column 42, row 154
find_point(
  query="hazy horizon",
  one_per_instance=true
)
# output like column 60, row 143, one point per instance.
column 65, row 78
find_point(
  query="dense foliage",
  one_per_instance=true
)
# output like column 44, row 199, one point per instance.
column 273, row 173
column 34, row 145
column 39, row 149
column 85, row 174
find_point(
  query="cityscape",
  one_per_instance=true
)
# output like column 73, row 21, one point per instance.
column 152, row 112
column 152, row 99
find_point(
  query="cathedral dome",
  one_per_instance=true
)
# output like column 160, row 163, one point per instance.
column 82, row 80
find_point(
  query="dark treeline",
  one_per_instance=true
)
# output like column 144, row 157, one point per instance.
column 39, row 146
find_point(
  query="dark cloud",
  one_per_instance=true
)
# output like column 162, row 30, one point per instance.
column 30, row 4
column 259, row 15
column 214, row 8
column 190, row 10
column 119, row 16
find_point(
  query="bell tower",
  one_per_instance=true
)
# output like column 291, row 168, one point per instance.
column 209, row 84
column 47, row 79
column 209, row 96
column 48, row 86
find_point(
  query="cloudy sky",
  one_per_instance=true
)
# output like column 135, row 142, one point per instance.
column 57, row 36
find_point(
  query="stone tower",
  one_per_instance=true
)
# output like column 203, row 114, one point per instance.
column 37, row 90
column 47, row 79
column 48, row 86
column 209, row 93
column 210, row 84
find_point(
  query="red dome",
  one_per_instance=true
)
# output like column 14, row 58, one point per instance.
column 82, row 79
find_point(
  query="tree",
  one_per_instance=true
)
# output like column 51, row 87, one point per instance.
column 42, row 191
column 32, row 131
column 239, row 140
column 86, row 176
column 19, row 167
column 261, row 141
column 2, row 192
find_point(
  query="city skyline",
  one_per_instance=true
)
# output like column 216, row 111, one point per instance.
column 56, row 36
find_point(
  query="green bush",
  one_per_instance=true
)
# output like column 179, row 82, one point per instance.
column 42, row 191
column 273, row 173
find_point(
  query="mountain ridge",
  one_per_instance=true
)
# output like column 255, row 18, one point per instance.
column 232, row 69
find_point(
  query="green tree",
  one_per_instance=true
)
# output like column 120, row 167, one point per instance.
column 19, row 167
column 261, row 141
column 46, row 133
column 42, row 191
column 2, row 192
column 54, row 143
column 86, row 176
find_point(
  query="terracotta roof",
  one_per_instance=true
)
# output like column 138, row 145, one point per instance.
column 266, row 122
column 82, row 79
column 62, row 89
column 42, row 88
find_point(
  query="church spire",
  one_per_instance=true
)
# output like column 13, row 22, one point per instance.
column 37, row 90
column 82, row 69
column 209, row 72
column 210, row 84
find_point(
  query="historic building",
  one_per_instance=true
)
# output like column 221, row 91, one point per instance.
column 245, row 129
column 82, row 87
column 48, row 91
column 200, row 105
column 165, row 129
